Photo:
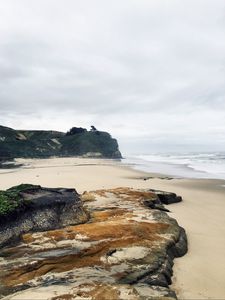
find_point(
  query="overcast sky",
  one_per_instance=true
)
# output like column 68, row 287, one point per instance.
column 151, row 72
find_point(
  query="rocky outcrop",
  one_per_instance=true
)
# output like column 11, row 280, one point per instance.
column 42, row 209
column 125, row 251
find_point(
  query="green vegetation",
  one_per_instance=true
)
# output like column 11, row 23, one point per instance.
column 12, row 199
column 39, row 143
column 89, row 141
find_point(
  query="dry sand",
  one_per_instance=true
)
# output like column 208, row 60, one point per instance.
column 198, row 275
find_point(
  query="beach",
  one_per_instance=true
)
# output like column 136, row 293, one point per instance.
column 200, row 273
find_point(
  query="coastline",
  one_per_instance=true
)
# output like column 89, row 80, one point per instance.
column 197, row 275
column 199, row 168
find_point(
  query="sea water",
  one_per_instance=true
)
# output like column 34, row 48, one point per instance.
column 189, row 165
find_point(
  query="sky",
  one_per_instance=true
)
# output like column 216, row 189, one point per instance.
column 151, row 72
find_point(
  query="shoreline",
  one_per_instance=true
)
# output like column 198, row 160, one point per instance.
column 197, row 275
column 174, row 169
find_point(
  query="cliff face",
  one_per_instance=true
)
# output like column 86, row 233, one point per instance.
column 37, row 143
column 124, row 251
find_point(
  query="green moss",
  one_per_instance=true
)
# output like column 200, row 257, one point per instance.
column 12, row 199
column 6, row 204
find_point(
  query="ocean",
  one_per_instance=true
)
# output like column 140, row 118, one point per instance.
column 188, row 165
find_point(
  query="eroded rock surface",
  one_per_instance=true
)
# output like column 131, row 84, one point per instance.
column 125, row 251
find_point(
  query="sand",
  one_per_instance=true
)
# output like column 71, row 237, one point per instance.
column 198, row 275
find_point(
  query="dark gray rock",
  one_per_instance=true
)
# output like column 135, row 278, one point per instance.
column 48, row 209
column 155, row 204
column 167, row 197
column 181, row 246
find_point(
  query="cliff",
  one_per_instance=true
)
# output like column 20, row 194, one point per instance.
column 39, row 143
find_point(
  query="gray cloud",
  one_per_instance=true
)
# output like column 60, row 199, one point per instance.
column 150, row 72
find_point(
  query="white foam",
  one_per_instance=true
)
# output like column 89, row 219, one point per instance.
column 190, row 165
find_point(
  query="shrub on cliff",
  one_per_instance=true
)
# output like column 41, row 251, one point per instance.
column 76, row 130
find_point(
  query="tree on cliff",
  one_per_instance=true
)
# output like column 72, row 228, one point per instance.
column 93, row 128
column 76, row 130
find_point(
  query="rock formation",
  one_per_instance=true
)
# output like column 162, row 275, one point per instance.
column 167, row 197
column 124, row 251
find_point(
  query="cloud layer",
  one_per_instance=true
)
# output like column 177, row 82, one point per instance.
column 150, row 72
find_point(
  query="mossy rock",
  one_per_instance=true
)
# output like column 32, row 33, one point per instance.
column 12, row 199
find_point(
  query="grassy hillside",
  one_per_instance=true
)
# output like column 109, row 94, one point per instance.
column 39, row 143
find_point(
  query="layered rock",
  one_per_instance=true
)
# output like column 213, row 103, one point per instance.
column 125, row 251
